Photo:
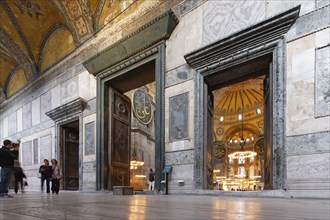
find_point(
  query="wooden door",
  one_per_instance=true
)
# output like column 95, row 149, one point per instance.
column 119, row 141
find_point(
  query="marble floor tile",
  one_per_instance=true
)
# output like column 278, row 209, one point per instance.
column 78, row 205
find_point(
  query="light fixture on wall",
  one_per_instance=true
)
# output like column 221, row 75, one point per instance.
column 134, row 164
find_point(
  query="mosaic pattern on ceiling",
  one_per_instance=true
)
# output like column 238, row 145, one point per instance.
column 36, row 34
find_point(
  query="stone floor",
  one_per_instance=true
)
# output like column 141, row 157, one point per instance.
column 77, row 205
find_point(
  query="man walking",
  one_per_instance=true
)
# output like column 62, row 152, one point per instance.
column 8, row 153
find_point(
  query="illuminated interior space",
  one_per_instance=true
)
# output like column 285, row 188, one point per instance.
column 239, row 135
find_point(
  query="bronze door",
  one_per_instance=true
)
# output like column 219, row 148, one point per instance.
column 267, row 135
column 71, row 159
column 210, row 142
column 119, row 141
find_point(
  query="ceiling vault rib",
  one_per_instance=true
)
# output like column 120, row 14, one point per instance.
column 247, row 96
column 11, row 74
column 67, row 20
column 14, row 50
column 18, row 29
column 47, row 37
column 254, row 94
column 98, row 14
column 3, row 93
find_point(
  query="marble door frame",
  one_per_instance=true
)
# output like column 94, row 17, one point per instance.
column 264, row 41
column 155, row 53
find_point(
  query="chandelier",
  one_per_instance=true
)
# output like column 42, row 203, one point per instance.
column 242, row 154
column 134, row 164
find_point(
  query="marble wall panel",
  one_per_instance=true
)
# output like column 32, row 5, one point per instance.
column 56, row 96
column 222, row 18
column 5, row 127
column 322, row 38
column 182, row 172
column 322, row 82
column 309, row 23
column 89, row 166
column 178, row 118
column 27, row 116
column 45, row 105
column 69, row 90
column 179, row 75
column 46, row 147
column 35, row 105
column 19, row 120
column 90, row 138
column 308, row 144
column 303, row 65
column 12, row 123
column 187, row 143
column 84, row 85
column 308, row 167
column 92, row 88
column 26, row 153
column 275, row 6
column 184, row 39
column 300, row 111
column 181, row 157
column 322, row 3
column 36, row 151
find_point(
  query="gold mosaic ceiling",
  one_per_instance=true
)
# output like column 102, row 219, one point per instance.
column 243, row 99
column 37, row 34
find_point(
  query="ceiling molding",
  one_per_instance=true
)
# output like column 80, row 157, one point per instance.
column 18, row 29
column 247, row 44
column 14, row 50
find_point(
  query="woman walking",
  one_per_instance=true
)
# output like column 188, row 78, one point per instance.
column 56, row 176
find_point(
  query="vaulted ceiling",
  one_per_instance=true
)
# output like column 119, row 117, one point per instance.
column 37, row 34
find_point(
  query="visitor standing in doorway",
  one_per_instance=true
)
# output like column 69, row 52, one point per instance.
column 56, row 176
column 46, row 174
column 8, row 153
column 151, row 180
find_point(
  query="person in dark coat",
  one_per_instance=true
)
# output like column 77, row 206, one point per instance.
column 19, row 176
column 8, row 153
column 46, row 174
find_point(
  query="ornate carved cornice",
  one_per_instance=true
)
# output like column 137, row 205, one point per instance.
column 149, row 34
column 67, row 110
column 252, row 42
